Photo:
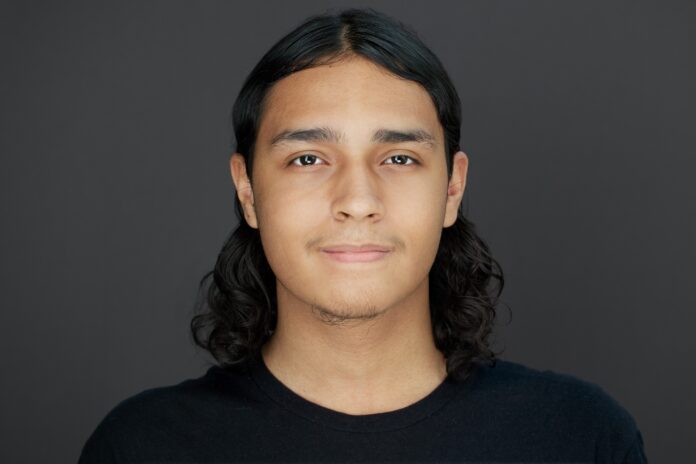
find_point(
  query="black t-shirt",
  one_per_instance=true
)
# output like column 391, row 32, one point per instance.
column 502, row 413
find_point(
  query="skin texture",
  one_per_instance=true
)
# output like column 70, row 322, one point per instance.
column 352, row 337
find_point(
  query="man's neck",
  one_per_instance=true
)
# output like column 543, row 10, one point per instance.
column 360, row 368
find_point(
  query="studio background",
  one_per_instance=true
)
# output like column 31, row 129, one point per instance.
column 578, row 120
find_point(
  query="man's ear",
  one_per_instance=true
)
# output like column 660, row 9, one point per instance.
column 455, row 189
column 243, row 186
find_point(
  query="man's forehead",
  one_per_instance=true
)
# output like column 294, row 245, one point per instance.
column 348, row 101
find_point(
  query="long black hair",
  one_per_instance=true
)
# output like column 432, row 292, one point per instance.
column 240, row 292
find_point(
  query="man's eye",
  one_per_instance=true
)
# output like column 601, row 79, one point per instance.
column 404, row 157
column 305, row 157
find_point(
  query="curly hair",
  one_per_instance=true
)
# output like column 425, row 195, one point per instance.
column 238, row 311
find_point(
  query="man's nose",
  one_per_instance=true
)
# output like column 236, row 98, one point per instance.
column 357, row 194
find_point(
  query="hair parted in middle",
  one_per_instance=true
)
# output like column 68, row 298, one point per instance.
column 238, row 313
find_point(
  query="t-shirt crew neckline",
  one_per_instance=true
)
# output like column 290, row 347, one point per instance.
column 377, row 422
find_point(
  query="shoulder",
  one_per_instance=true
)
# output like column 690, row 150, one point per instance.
column 139, row 415
column 568, row 404
column 152, row 404
column 552, row 389
column 510, row 375
column 177, row 402
column 149, row 420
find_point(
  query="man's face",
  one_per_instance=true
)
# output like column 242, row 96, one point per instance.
column 310, row 193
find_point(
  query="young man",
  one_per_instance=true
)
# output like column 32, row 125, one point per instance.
column 350, row 310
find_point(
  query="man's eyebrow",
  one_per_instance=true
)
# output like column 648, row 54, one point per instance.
column 327, row 134
column 396, row 136
column 314, row 134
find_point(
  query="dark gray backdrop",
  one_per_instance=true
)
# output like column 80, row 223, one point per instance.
column 116, row 195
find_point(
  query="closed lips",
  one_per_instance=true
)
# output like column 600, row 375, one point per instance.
column 356, row 248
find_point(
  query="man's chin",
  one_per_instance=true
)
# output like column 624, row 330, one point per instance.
column 334, row 316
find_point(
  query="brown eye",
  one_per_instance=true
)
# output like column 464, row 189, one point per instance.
column 305, row 157
column 402, row 160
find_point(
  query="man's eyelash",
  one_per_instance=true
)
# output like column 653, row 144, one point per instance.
column 292, row 161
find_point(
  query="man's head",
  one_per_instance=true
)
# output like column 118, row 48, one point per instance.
column 332, row 167
column 348, row 133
